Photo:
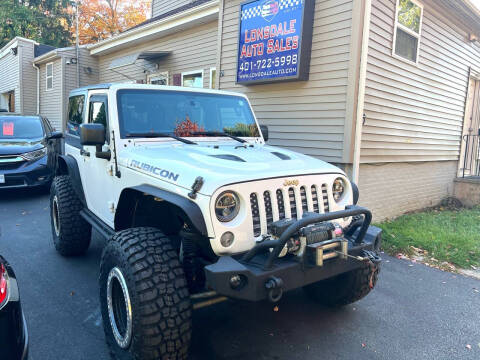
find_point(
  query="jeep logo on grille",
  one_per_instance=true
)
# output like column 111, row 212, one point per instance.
column 291, row 183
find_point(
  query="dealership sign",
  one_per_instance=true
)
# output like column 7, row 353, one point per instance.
column 275, row 40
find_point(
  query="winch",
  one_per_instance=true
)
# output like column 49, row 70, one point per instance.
column 309, row 235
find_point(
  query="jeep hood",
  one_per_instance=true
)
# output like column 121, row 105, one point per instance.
column 219, row 164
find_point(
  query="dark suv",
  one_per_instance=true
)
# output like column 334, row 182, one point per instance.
column 24, row 156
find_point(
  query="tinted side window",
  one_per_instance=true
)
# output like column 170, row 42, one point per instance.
column 75, row 114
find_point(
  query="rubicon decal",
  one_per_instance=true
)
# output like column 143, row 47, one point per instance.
column 154, row 170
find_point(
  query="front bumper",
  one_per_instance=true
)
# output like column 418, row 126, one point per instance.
column 259, row 267
column 27, row 174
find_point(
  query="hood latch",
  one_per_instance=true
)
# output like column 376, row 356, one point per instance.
column 196, row 187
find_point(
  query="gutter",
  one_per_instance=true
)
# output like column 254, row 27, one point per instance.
column 104, row 46
column 52, row 55
column 38, row 87
column 361, row 90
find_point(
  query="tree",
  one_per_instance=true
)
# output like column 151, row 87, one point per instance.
column 101, row 19
column 45, row 21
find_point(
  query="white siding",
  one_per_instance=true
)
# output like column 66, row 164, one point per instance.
column 305, row 116
column 192, row 49
column 415, row 113
column 10, row 77
column 29, row 78
column 160, row 7
column 51, row 100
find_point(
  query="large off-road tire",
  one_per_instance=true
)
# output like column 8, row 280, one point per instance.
column 144, row 297
column 345, row 288
column 71, row 233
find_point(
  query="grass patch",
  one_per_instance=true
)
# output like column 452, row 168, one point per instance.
column 449, row 235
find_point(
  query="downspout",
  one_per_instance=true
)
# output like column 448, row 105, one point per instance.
column 361, row 90
column 38, row 87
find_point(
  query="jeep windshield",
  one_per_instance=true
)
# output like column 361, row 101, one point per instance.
column 184, row 114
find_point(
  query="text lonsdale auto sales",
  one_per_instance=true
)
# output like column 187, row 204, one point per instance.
column 275, row 40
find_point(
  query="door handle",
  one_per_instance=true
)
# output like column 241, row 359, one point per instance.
column 84, row 153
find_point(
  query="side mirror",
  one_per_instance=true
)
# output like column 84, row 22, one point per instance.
column 92, row 134
column 55, row 135
column 264, row 129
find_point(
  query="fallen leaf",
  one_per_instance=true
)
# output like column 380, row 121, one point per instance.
column 275, row 309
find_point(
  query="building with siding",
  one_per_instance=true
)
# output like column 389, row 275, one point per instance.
column 18, row 78
column 58, row 76
column 392, row 88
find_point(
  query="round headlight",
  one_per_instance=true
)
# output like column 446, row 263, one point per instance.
column 338, row 189
column 227, row 206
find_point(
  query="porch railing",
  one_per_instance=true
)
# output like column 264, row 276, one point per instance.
column 471, row 156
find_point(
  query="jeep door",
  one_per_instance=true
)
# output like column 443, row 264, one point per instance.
column 98, row 172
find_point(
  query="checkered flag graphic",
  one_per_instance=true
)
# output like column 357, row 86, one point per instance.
column 253, row 12
column 285, row 4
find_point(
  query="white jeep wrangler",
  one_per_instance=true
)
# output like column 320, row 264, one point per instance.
column 196, row 208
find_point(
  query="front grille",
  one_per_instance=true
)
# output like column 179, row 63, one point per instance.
column 277, row 204
column 325, row 198
column 10, row 162
column 13, row 182
column 255, row 214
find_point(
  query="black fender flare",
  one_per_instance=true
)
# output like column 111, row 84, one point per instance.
column 190, row 208
column 67, row 165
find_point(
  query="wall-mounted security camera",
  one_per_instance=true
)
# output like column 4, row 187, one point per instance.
column 14, row 51
column 68, row 62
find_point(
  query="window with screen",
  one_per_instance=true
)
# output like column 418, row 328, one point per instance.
column 76, row 106
column 193, row 79
column 408, row 27
column 49, row 77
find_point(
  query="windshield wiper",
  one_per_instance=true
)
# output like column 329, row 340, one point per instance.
column 159, row 135
column 219, row 133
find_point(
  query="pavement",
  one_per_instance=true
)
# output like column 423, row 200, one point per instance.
column 415, row 312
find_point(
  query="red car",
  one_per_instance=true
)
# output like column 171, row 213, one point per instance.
column 13, row 328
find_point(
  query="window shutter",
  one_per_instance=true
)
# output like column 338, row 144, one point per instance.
column 177, row 79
